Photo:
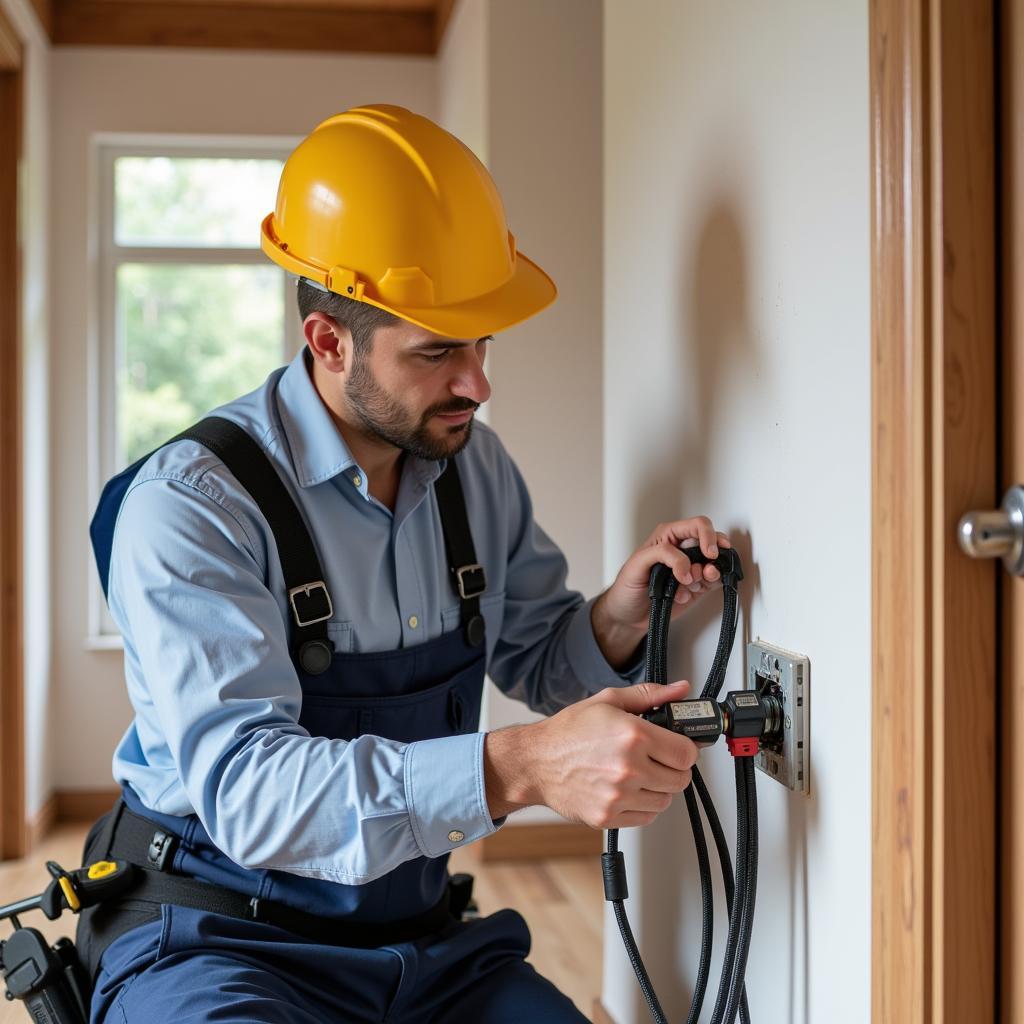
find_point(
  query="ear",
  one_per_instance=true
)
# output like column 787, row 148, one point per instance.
column 329, row 341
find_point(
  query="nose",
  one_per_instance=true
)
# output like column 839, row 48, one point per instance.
column 470, row 381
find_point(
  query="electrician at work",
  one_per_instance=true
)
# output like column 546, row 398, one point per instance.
column 322, row 786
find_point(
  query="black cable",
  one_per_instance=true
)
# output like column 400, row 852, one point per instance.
column 739, row 897
column 618, row 906
column 750, row 894
column 707, row 898
column 725, row 863
column 733, row 939
column 726, row 639
column 661, row 617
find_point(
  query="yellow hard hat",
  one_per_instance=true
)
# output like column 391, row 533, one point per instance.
column 383, row 206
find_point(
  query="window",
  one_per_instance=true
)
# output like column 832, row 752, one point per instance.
column 190, row 313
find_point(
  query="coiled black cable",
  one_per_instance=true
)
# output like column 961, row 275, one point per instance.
column 707, row 900
column 735, row 918
column 749, row 895
column 619, row 909
column 732, row 995
column 725, row 863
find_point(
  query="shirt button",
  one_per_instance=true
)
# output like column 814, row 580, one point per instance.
column 357, row 480
column 455, row 836
column 413, row 622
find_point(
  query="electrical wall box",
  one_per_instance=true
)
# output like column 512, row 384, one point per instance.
column 786, row 676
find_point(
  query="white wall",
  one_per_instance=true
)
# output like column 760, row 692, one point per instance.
column 149, row 90
column 520, row 83
column 736, row 369
column 462, row 76
column 35, row 298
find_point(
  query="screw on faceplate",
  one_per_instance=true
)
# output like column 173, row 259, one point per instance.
column 789, row 722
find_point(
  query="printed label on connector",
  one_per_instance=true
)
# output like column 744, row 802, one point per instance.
column 746, row 700
column 685, row 710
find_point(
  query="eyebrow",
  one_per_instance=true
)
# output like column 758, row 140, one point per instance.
column 446, row 343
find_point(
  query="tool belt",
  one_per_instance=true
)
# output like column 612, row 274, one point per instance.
column 125, row 836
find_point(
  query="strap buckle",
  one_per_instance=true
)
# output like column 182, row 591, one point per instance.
column 315, row 600
column 476, row 583
column 161, row 850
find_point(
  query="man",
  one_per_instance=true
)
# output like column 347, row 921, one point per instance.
column 314, row 747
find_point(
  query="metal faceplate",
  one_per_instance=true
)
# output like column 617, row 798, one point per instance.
column 786, row 676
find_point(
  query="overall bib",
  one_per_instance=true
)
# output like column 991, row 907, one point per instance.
column 182, row 964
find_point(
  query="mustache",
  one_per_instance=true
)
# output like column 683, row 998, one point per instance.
column 455, row 406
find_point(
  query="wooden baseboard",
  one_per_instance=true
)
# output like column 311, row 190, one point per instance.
column 40, row 826
column 536, row 842
column 600, row 1015
column 78, row 805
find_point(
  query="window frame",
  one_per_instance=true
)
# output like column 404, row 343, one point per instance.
column 105, row 256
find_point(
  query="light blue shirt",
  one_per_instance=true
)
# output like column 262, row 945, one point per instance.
column 197, row 591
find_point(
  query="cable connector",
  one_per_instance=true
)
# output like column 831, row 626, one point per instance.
column 745, row 715
column 613, row 868
column 743, row 746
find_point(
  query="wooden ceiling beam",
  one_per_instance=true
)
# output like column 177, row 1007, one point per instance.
column 249, row 26
column 10, row 44
column 442, row 17
column 44, row 12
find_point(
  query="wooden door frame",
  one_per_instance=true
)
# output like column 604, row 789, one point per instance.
column 934, row 456
column 13, row 825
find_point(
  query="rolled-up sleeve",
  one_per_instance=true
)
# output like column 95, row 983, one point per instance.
column 217, row 703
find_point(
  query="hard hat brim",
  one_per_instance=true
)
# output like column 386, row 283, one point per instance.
column 525, row 293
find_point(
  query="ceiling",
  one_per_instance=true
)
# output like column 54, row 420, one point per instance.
column 338, row 26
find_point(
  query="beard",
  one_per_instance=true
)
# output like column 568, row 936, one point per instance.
column 384, row 417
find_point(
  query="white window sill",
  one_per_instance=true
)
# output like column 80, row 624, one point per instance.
column 104, row 642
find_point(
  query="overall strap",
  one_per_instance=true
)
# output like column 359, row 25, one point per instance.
column 467, row 573
column 308, row 596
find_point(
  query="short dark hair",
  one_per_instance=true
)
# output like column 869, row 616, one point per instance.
column 361, row 319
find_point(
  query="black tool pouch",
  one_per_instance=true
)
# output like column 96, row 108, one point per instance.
column 99, row 925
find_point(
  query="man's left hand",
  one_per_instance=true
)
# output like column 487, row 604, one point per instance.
column 620, row 614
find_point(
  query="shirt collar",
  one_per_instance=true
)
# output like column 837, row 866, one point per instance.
column 318, row 450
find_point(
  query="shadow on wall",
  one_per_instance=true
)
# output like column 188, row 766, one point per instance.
column 716, row 353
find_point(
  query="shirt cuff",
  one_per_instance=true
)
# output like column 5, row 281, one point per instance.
column 444, row 783
column 587, row 661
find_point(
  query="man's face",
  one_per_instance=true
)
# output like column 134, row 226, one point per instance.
column 418, row 391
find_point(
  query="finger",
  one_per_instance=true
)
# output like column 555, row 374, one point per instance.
column 672, row 750
column 708, row 537
column 643, row 696
column 670, row 555
column 663, row 551
column 660, row 778
column 645, row 800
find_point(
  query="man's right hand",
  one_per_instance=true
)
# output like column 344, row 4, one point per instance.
column 595, row 762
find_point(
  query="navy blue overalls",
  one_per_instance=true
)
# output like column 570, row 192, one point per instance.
column 178, row 963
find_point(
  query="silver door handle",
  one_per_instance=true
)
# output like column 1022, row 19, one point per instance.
column 997, row 534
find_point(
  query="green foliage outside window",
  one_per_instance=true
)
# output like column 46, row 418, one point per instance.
column 203, row 201
column 192, row 337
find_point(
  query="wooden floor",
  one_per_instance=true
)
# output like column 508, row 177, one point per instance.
column 561, row 899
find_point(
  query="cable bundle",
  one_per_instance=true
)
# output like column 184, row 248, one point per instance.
column 739, row 898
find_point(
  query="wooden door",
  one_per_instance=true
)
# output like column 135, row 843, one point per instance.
column 935, row 456
column 1011, row 897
